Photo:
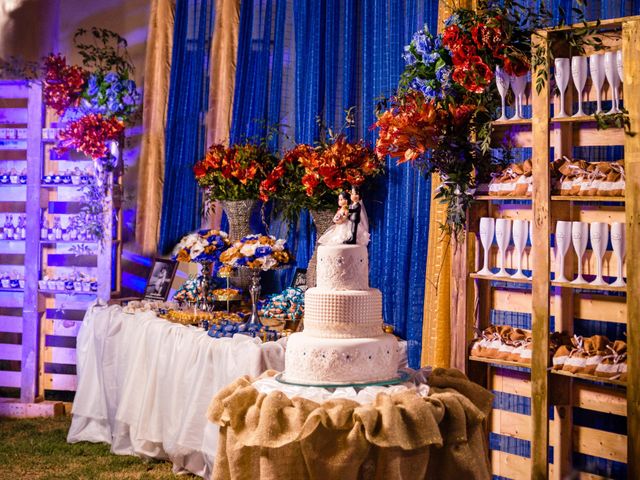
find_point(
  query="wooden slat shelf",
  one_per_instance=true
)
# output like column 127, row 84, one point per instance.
column 72, row 242
column 499, row 362
column 495, row 278
column 65, row 292
column 500, row 199
column 573, row 308
column 588, row 286
column 592, row 378
column 12, row 290
column 567, row 198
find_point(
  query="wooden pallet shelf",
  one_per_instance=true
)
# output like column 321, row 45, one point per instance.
column 544, row 305
column 498, row 362
column 592, row 378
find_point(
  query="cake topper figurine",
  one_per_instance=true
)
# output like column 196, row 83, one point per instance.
column 350, row 223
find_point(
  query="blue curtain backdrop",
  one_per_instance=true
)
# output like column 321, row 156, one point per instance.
column 301, row 59
column 185, row 132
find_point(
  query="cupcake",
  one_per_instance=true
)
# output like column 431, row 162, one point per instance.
column 5, row 282
column 51, row 284
column 14, row 178
column 94, row 285
column 66, row 178
column 68, row 285
column 14, row 283
column 76, row 176
column 21, row 282
column 57, row 178
column 48, row 179
column 23, row 177
column 60, row 283
column 77, row 285
column 42, row 284
column 86, row 286
column 4, row 177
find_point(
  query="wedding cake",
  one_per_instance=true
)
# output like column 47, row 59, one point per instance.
column 342, row 341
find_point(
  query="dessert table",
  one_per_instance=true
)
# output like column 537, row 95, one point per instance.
column 144, row 384
column 431, row 427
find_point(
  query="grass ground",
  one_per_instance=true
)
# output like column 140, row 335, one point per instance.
column 37, row 449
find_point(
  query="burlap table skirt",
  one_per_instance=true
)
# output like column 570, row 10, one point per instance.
column 400, row 436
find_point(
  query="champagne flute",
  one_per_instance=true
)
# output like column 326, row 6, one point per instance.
column 502, row 82
column 620, row 70
column 520, row 231
column 487, row 228
column 579, row 73
column 579, row 236
column 562, row 66
column 611, row 72
column 531, row 243
column 563, row 240
column 518, row 84
column 596, row 68
column 503, row 238
column 599, row 240
column 618, row 241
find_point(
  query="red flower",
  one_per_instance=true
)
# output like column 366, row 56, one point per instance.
column 474, row 75
column 63, row 84
column 89, row 135
column 516, row 66
column 452, row 37
column 487, row 37
column 199, row 170
column 310, row 181
column 460, row 114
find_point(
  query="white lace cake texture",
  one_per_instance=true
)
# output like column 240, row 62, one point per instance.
column 316, row 360
column 343, row 313
column 343, row 267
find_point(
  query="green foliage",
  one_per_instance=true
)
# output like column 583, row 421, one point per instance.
column 103, row 51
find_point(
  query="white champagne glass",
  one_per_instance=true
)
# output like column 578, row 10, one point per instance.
column 562, row 67
column 599, row 240
column 531, row 243
column 579, row 236
column 563, row 241
column 611, row 72
column 502, row 82
column 579, row 74
column 618, row 241
column 503, row 238
column 487, row 228
column 520, row 232
column 596, row 68
column 518, row 85
column 620, row 69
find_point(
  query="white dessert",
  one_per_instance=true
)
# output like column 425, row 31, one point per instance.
column 343, row 341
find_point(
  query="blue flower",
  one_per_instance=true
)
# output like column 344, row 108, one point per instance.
column 443, row 75
column 409, row 57
column 242, row 261
column 92, row 86
column 111, row 77
column 263, row 251
column 116, row 87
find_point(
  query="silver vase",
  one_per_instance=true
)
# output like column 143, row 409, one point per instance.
column 239, row 214
column 323, row 219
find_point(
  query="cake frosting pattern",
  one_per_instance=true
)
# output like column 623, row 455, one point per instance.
column 343, row 340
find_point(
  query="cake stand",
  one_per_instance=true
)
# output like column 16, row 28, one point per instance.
column 255, row 289
column 401, row 377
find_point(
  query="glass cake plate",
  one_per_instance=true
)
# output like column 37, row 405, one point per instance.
column 400, row 377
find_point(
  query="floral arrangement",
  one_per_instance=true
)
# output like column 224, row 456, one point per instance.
column 97, row 99
column 311, row 177
column 440, row 117
column 235, row 172
column 204, row 246
column 256, row 251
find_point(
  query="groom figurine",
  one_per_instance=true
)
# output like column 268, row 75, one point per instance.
column 354, row 215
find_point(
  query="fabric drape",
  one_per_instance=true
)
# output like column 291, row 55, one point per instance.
column 222, row 77
column 186, row 122
column 156, row 94
column 333, row 55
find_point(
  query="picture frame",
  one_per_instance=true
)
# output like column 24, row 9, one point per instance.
column 160, row 279
column 299, row 279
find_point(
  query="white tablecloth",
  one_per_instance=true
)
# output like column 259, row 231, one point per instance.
column 144, row 385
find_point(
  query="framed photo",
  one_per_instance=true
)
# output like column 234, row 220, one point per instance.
column 300, row 279
column 160, row 279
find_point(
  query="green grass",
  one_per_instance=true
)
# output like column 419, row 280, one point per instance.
column 38, row 449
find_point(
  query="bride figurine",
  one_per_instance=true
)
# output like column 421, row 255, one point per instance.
column 350, row 223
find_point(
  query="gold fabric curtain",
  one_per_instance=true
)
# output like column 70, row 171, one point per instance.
column 224, row 54
column 436, row 327
column 157, row 74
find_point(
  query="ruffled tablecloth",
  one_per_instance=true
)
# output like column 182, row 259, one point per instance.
column 144, row 385
column 416, row 431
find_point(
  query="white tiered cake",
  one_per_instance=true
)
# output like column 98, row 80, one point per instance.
column 343, row 341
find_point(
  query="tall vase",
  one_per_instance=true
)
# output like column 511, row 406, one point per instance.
column 206, row 271
column 322, row 219
column 239, row 214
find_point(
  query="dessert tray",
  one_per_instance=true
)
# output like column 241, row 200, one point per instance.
column 400, row 377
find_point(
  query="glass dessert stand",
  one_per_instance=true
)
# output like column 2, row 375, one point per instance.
column 255, row 289
column 401, row 377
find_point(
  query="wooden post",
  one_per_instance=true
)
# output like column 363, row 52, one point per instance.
column 541, row 260
column 30, row 315
column 630, row 42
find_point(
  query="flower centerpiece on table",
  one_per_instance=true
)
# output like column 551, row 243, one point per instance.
column 311, row 177
column 259, row 252
column 204, row 246
column 440, row 117
column 234, row 172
